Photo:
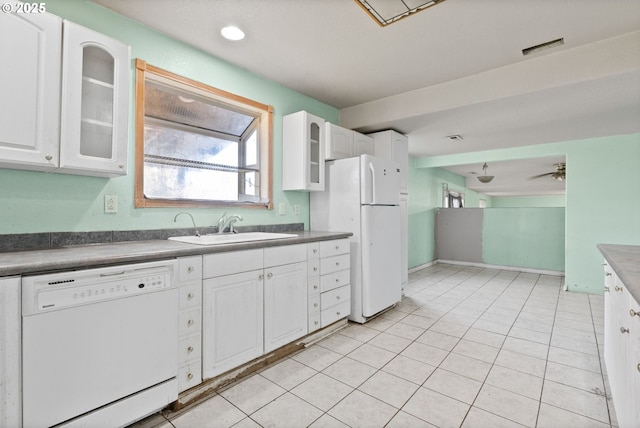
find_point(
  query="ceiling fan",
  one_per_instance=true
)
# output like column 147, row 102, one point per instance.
column 559, row 174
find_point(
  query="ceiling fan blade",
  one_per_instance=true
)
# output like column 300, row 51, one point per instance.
column 540, row 175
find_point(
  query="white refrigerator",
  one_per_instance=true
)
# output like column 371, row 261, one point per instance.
column 361, row 196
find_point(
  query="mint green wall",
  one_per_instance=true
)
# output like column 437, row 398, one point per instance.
column 524, row 237
column 602, row 199
column 43, row 202
column 425, row 197
column 529, row 201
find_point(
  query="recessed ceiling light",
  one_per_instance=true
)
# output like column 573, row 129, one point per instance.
column 232, row 33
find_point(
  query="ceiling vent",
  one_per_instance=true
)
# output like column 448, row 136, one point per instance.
column 543, row 46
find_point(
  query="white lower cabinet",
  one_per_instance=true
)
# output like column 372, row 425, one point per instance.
column 233, row 321
column 335, row 291
column 10, row 352
column 255, row 301
column 285, row 305
column 622, row 349
column 189, row 278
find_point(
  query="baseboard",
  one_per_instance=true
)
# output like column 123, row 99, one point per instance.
column 422, row 266
column 510, row 268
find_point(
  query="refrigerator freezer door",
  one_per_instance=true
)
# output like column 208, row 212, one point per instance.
column 380, row 243
column 380, row 181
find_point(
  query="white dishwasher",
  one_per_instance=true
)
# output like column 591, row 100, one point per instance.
column 99, row 346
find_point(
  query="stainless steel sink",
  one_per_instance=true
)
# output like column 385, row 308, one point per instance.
column 230, row 238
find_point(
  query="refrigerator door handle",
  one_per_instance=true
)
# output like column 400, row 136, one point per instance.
column 373, row 183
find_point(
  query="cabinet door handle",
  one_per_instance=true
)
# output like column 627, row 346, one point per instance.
column 606, row 289
column 638, row 367
column 190, row 322
column 48, row 157
column 190, row 269
column 338, row 313
column 624, row 330
column 338, row 297
column 190, row 376
column 634, row 313
column 269, row 275
column 337, row 280
column 337, row 263
column 121, row 166
column 190, row 349
column 315, row 287
column 607, row 274
column 190, row 296
column 315, row 269
column 618, row 288
column 315, row 305
column 260, row 277
column 315, row 251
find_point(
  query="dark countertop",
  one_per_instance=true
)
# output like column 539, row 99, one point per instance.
column 84, row 256
column 625, row 261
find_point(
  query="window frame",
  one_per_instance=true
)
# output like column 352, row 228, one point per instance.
column 264, row 129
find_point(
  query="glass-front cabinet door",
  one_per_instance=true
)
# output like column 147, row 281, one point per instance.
column 95, row 103
column 303, row 152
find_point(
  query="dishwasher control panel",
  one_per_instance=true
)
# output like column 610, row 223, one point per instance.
column 67, row 289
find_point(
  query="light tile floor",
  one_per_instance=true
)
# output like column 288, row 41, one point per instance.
column 467, row 347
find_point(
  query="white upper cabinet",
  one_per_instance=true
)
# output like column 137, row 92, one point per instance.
column 95, row 103
column 30, row 90
column 64, row 97
column 363, row 144
column 394, row 146
column 303, row 152
column 338, row 143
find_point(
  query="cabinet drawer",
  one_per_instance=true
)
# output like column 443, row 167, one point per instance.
column 221, row 264
column 189, row 269
column 332, row 248
column 334, row 313
column 314, row 267
column 190, row 295
column 334, row 297
column 313, row 284
column 287, row 254
column 189, row 348
column 334, row 280
column 313, row 250
column 334, row 264
column 314, row 321
column 314, row 303
column 189, row 322
column 189, row 376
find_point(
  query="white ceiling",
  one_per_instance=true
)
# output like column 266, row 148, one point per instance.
column 454, row 68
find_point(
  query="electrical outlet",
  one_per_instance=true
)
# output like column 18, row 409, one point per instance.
column 111, row 204
column 296, row 209
column 282, row 208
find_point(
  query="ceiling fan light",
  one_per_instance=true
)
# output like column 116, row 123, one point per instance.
column 485, row 178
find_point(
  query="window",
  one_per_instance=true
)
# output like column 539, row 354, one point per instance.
column 199, row 146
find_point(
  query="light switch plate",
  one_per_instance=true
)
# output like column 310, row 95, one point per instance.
column 282, row 208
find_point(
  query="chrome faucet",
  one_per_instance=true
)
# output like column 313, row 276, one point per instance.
column 225, row 221
column 195, row 228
